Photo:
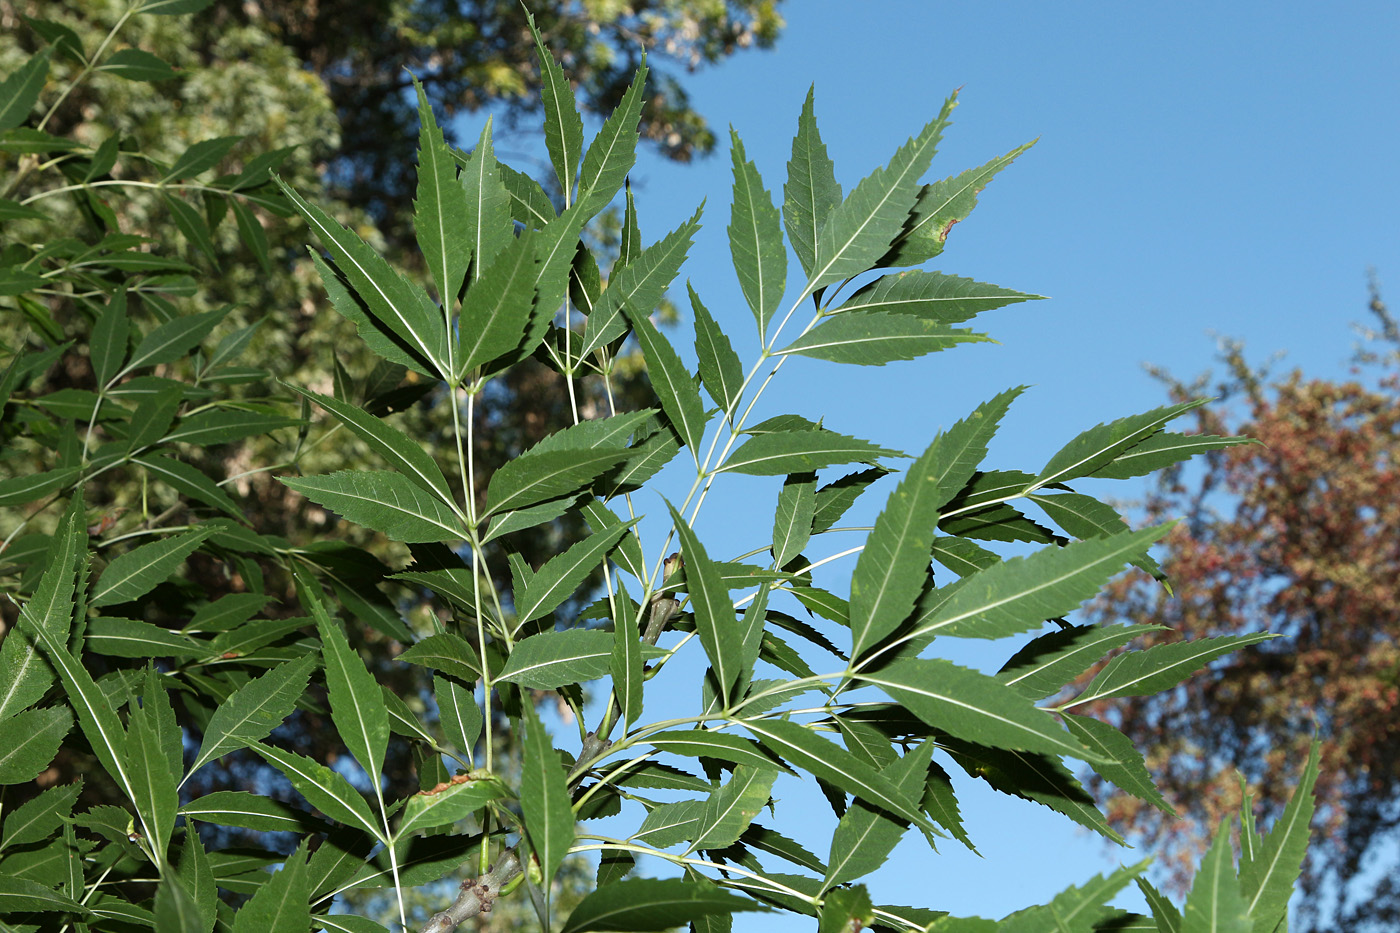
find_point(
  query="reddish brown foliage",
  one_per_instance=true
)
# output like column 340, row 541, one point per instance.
column 1299, row 536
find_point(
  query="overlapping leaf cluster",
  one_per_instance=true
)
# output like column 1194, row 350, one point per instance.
column 882, row 732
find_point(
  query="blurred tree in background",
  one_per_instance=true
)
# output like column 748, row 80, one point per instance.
column 1299, row 534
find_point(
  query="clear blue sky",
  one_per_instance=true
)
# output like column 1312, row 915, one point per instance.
column 1203, row 168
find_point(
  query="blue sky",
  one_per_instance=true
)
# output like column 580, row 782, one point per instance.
column 1202, row 169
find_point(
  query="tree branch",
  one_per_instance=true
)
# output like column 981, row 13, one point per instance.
column 476, row 895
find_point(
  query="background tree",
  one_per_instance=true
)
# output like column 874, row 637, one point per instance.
column 1300, row 534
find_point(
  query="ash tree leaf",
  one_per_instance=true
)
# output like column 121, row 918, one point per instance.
column 389, row 503
column 1268, row 877
column 449, row 805
column 625, row 663
column 448, row 653
column 940, row 206
column 639, row 286
column 254, row 710
column 137, row 65
column 20, row 895
column 538, row 476
column 326, row 790
column 192, row 224
column 1161, row 667
column 729, row 811
column 709, row 599
column 873, row 338
column 961, row 556
column 963, row 446
column 1102, row 444
column 1049, row 662
column 553, row 659
column 251, row 811
column 17, row 490
column 613, row 151
column 974, row 707
column 860, row 229
column 402, row 452
column 173, row 339
column 544, row 797
column 357, row 706
column 721, row 373
column 892, row 568
column 780, row 453
column 19, row 92
column 200, row 157
column 140, row 570
column 640, row 905
column 1087, row 517
column 221, row 427
column 489, row 228
column 1164, row 912
column 1162, row 450
column 1122, row 763
column 809, row 751
column 380, row 338
column 37, row 818
column 562, row 574
column 931, row 296
column 669, row 824
column 151, row 733
column 173, row 7
column 756, row 240
column 940, row 803
column 189, row 481
column 703, row 743
column 811, row 192
column 1215, row 904
column 440, row 219
column 528, row 203
column 28, row 743
column 563, row 127
column 458, row 714
column 680, row 397
column 110, row 335
column 835, row 498
column 176, row 910
column 388, row 297
column 280, row 904
column 252, row 233
column 866, row 835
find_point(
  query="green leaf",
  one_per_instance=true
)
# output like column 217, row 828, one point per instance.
column 402, row 452
column 1168, row 918
column 860, row 229
column 835, row 498
column 20, row 895
column 280, row 904
column 638, row 287
column 792, row 520
column 176, row 910
column 447, row 653
column 730, row 810
column 252, row 233
column 153, row 417
column 458, row 714
column 847, row 910
column 200, row 157
column 17, row 490
column 811, row 192
column 973, row 706
column 173, row 339
column 931, row 296
column 129, row 638
column 389, row 297
column 254, row 710
column 189, row 481
column 625, row 663
column 613, row 151
column 563, row 127
column 19, row 92
column 440, row 216
column 173, row 7
column 1087, row 517
column 680, row 397
column 702, row 743
column 11, row 209
column 108, row 344
column 28, row 743
column 154, row 761
column 721, row 373
column 865, row 836
column 779, row 453
column 452, row 804
column 192, row 224
column 380, row 338
column 489, row 226
column 1161, row 667
column 536, row 477
column 1101, row 444
column 1267, row 879
column 326, row 790
column 562, row 574
column 389, row 503
column 1049, row 662
column 892, row 568
column 1121, row 762
column 769, row 840
column 809, row 751
column 1162, row 450
column 756, row 240
column 553, row 659
column 142, row 569
column 37, row 818
column 357, row 707
column 544, row 797
column 1215, row 904
column 251, row 811
column 639, row 905
column 1021, row 593
column 709, row 599
column 496, row 310
column 874, row 339
column 669, row 824
column 940, row 206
